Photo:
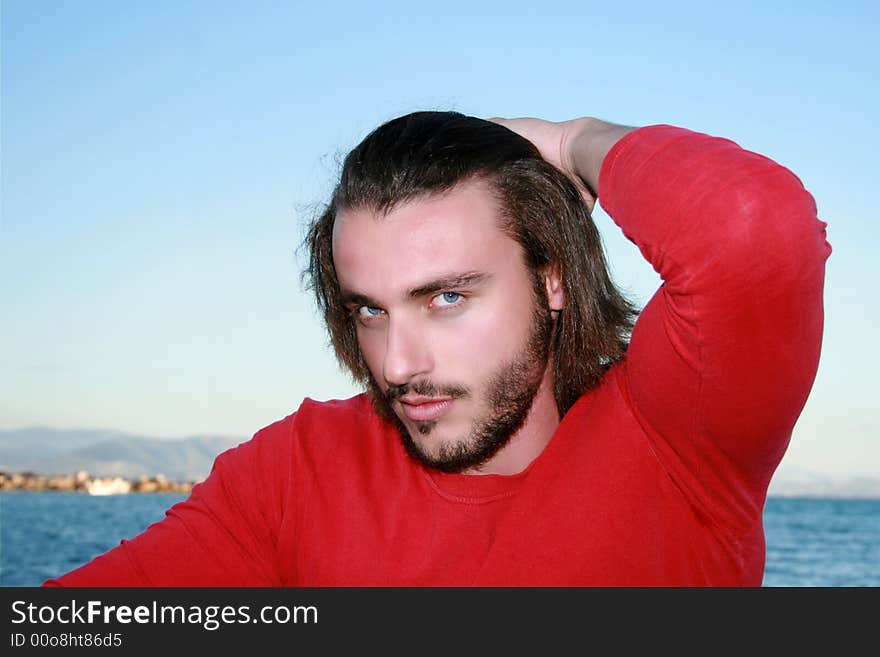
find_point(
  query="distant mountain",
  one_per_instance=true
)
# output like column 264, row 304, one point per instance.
column 36, row 443
column 798, row 482
column 47, row 451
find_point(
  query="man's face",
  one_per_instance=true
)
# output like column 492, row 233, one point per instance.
column 453, row 326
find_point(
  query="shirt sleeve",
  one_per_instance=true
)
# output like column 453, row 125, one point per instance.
column 224, row 534
column 723, row 356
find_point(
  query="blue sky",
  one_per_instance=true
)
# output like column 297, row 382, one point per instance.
column 159, row 161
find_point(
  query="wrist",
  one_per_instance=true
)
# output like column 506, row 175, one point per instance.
column 588, row 142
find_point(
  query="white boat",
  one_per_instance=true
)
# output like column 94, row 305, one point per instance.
column 114, row 486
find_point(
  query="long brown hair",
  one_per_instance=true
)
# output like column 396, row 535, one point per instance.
column 431, row 152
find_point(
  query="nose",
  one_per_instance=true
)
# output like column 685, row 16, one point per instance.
column 407, row 353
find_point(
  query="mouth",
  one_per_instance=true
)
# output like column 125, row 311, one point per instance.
column 425, row 409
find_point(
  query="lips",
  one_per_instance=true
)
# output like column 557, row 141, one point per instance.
column 424, row 409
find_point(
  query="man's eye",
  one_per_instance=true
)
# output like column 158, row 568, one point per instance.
column 366, row 312
column 447, row 299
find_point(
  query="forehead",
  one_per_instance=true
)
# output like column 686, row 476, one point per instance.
column 422, row 239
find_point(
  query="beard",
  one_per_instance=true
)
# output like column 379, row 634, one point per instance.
column 510, row 391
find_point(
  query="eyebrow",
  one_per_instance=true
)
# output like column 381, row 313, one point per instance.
column 450, row 282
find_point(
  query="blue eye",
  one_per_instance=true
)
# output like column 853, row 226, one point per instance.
column 448, row 298
column 369, row 311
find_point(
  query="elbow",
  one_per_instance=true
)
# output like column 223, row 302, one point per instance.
column 771, row 229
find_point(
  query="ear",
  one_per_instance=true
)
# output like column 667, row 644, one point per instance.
column 553, row 283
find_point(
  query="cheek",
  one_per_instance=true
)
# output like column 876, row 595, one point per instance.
column 483, row 341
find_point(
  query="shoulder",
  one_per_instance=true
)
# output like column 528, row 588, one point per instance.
column 313, row 414
column 313, row 420
column 331, row 417
column 333, row 426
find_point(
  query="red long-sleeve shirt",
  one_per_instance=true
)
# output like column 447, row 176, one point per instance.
column 657, row 476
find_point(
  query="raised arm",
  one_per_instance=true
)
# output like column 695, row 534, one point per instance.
column 724, row 355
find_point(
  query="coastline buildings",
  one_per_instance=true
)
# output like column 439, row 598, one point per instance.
column 83, row 482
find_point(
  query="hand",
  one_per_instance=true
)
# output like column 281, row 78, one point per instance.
column 577, row 147
column 554, row 141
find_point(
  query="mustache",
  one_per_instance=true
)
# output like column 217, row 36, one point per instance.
column 427, row 389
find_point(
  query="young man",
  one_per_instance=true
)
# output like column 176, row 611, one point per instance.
column 518, row 430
